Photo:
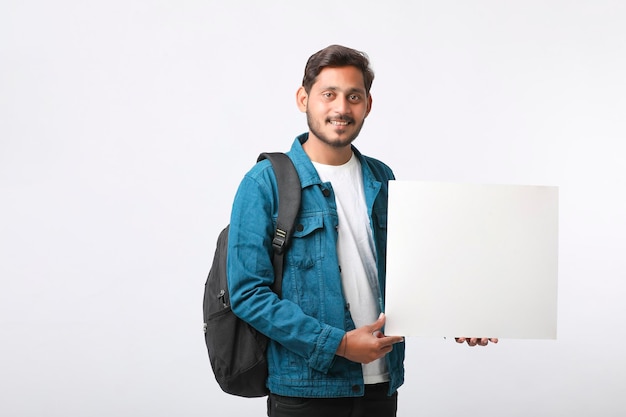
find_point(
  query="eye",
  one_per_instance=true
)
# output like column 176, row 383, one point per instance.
column 354, row 98
column 327, row 94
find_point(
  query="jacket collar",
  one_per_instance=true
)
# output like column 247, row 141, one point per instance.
column 307, row 172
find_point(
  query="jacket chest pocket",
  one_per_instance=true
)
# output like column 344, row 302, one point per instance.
column 307, row 242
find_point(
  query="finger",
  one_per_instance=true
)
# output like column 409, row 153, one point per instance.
column 484, row 341
column 459, row 339
column 472, row 341
column 387, row 346
column 394, row 339
column 494, row 340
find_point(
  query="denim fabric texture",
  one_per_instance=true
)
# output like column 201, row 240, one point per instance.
column 307, row 324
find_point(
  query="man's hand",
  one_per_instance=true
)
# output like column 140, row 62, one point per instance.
column 473, row 341
column 367, row 343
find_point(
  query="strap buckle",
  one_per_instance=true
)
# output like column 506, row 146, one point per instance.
column 280, row 237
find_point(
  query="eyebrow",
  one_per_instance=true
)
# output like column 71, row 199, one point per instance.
column 349, row 91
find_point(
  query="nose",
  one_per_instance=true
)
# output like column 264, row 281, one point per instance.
column 342, row 105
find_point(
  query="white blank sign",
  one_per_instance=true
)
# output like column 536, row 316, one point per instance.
column 472, row 260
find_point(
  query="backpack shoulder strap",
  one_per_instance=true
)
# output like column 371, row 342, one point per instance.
column 289, row 196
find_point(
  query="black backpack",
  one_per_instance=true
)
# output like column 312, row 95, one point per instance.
column 236, row 349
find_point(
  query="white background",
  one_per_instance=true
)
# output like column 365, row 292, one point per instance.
column 125, row 127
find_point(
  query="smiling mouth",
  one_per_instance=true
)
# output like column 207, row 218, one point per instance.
column 340, row 123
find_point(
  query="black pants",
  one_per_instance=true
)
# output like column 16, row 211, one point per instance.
column 375, row 403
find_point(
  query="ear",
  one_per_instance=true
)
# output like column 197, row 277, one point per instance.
column 302, row 99
column 369, row 105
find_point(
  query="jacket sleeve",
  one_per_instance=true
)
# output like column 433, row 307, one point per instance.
column 251, row 274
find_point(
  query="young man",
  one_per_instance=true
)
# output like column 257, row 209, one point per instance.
column 327, row 354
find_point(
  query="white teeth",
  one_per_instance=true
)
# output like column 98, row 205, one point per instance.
column 338, row 123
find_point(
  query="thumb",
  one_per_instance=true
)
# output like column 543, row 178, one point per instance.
column 379, row 323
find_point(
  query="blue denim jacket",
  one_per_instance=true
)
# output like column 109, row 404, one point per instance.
column 308, row 323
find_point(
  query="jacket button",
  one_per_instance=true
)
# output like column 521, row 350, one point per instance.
column 300, row 227
column 326, row 192
column 356, row 388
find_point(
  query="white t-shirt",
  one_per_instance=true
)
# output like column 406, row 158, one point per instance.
column 356, row 251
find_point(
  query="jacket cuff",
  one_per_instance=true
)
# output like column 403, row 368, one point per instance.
column 325, row 349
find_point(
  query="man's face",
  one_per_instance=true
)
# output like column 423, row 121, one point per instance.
column 336, row 106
